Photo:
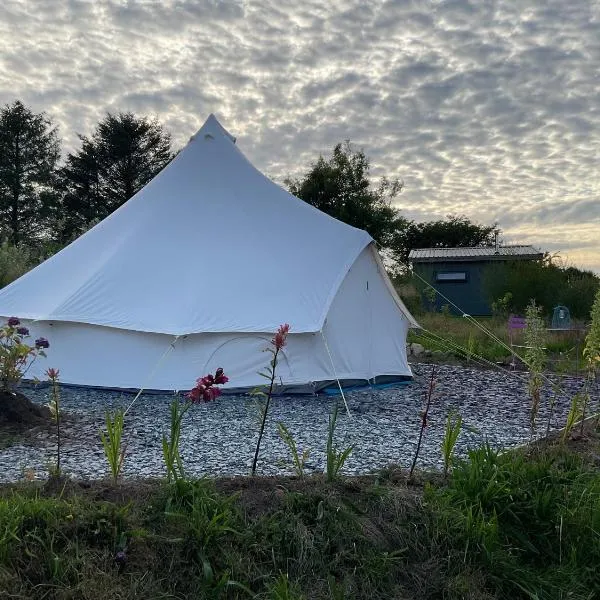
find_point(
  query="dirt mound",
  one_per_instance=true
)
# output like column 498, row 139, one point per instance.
column 19, row 413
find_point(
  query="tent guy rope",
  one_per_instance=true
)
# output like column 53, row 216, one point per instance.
column 335, row 373
column 489, row 333
column 153, row 372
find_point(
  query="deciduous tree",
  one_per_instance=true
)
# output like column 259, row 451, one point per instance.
column 454, row 232
column 340, row 186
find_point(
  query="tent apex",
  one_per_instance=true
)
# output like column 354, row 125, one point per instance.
column 212, row 129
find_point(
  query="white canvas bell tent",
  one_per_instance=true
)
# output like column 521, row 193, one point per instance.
column 198, row 270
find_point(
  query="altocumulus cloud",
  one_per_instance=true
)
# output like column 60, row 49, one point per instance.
column 485, row 108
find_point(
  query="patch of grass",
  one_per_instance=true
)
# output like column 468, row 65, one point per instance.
column 529, row 520
column 564, row 348
column 520, row 525
column 310, row 539
column 460, row 332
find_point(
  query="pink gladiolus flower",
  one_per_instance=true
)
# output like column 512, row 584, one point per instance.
column 220, row 377
column 206, row 381
column 211, row 394
column 205, row 389
column 195, row 394
column 280, row 337
column 52, row 373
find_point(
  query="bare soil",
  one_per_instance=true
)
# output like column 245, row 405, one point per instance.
column 20, row 418
column 19, row 413
column 583, row 440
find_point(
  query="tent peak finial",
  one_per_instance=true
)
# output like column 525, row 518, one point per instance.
column 212, row 130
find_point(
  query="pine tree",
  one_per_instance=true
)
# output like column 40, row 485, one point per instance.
column 29, row 151
column 123, row 154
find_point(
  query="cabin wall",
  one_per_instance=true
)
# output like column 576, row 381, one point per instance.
column 468, row 294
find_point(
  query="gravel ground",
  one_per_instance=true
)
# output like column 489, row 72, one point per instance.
column 219, row 438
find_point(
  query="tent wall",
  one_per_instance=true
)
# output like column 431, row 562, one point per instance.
column 365, row 331
column 365, row 328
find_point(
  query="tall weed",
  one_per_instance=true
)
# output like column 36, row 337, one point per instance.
column 451, row 433
column 170, row 445
column 335, row 459
column 298, row 459
column 112, row 442
column 535, row 358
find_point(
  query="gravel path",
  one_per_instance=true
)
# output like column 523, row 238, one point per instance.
column 219, row 438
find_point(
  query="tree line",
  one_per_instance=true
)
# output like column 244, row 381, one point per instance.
column 44, row 200
column 341, row 186
column 49, row 201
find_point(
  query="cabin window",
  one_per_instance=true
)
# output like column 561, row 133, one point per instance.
column 451, row 276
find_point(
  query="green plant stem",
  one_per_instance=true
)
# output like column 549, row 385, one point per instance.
column 423, row 421
column 264, row 416
column 451, row 433
column 171, row 454
column 551, row 413
column 335, row 459
column 57, row 405
column 111, row 441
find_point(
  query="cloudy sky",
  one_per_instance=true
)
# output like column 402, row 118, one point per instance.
column 489, row 109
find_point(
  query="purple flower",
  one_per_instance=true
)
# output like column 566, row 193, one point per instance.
column 22, row 331
column 13, row 322
column 42, row 343
column 120, row 557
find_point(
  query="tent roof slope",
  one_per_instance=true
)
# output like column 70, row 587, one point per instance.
column 209, row 245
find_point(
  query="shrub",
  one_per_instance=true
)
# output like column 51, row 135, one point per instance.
column 546, row 282
column 17, row 356
column 14, row 262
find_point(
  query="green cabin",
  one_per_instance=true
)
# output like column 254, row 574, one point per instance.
column 458, row 274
